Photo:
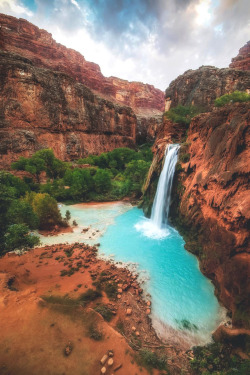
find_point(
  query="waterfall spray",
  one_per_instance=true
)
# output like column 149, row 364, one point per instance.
column 156, row 226
column 160, row 210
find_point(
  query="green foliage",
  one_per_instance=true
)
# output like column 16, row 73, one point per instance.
column 235, row 97
column 21, row 212
column 217, row 358
column 42, row 160
column 45, row 207
column 111, row 290
column 18, row 237
column 94, row 333
column 182, row 114
column 102, row 181
column 136, row 171
column 151, row 360
column 105, row 312
column 90, row 295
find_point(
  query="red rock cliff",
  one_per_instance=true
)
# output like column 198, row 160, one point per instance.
column 22, row 37
column 211, row 201
column 242, row 60
column 202, row 86
column 40, row 108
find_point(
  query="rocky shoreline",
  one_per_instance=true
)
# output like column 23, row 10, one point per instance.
column 53, row 273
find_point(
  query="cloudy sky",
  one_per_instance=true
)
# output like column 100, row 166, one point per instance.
column 152, row 41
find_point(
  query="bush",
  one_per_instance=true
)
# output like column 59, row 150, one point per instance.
column 90, row 295
column 182, row 114
column 151, row 360
column 105, row 312
column 111, row 290
column 94, row 333
column 45, row 207
column 18, row 237
column 236, row 96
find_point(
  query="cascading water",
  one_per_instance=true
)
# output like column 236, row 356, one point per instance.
column 156, row 227
column 161, row 203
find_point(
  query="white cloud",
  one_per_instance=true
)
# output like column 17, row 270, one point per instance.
column 15, row 8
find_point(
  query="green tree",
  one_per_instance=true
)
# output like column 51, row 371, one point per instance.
column 21, row 212
column 18, row 237
column 102, row 181
column 46, row 208
column 136, row 171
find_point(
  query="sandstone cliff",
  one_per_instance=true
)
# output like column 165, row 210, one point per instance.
column 202, row 86
column 242, row 60
column 211, row 202
column 22, row 37
column 40, row 108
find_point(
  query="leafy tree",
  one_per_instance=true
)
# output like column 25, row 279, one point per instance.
column 21, row 212
column 102, row 181
column 45, row 208
column 236, row 96
column 18, row 237
column 42, row 160
column 136, row 171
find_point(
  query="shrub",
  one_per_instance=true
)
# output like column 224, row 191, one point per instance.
column 151, row 360
column 182, row 114
column 236, row 96
column 90, row 295
column 94, row 333
column 105, row 312
column 18, row 237
column 111, row 290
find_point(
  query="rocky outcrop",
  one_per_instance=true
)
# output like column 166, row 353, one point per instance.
column 22, row 37
column 202, row 86
column 242, row 60
column 212, row 204
column 211, row 201
column 41, row 108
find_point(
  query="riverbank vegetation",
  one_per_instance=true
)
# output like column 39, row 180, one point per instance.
column 30, row 202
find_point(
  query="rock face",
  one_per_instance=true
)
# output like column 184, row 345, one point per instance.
column 22, row 37
column 242, row 60
column 43, row 108
column 202, row 86
column 211, row 201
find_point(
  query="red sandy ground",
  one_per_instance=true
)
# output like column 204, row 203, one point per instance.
column 35, row 333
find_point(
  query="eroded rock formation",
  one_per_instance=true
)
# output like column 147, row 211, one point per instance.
column 24, row 38
column 202, row 86
column 242, row 60
column 41, row 108
column 211, row 202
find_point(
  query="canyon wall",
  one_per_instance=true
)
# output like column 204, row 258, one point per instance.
column 41, row 108
column 23, row 38
column 242, row 60
column 202, row 86
column 211, row 201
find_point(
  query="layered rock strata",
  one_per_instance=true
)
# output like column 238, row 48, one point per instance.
column 202, row 86
column 211, row 201
column 22, row 37
column 43, row 108
column 242, row 60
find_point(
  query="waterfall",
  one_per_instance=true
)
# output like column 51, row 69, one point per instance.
column 161, row 203
column 156, row 227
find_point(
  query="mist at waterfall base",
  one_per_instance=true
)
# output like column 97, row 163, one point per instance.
column 184, row 307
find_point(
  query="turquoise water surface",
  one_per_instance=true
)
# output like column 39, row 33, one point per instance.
column 182, row 298
column 184, row 308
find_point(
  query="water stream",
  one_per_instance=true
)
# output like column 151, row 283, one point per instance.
column 184, row 308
